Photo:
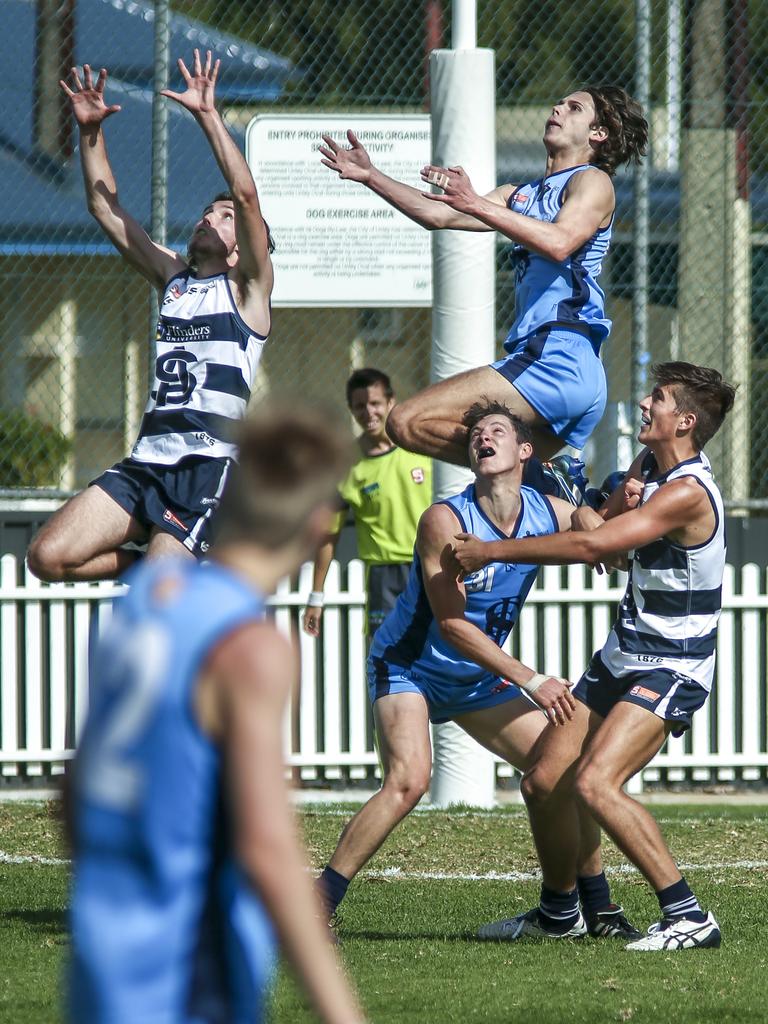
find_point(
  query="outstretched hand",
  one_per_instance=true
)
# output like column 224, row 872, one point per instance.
column 469, row 552
column 87, row 99
column 352, row 162
column 198, row 97
column 458, row 191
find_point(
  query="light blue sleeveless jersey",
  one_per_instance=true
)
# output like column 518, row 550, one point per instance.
column 409, row 637
column 164, row 927
column 548, row 293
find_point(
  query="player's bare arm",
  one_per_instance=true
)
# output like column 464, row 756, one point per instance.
column 680, row 510
column 313, row 613
column 588, row 205
column 353, row 163
column 249, row 675
column 253, row 274
column 447, row 598
column 154, row 262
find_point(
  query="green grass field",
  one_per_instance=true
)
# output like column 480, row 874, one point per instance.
column 407, row 924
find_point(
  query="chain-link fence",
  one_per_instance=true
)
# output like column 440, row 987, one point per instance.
column 76, row 320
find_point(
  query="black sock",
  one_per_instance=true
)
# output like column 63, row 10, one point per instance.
column 678, row 901
column 594, row 893
column 333, row 888
column 559, row 909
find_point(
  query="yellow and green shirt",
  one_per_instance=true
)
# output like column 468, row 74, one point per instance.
column 387, row 494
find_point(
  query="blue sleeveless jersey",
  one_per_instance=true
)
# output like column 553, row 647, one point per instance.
column 549, row 293
column 411, row 638
column 164, row 927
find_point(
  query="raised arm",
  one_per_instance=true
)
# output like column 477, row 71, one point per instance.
column 254, row 670
column 588, row 205
column 254, row 267
column 154, row 262
column 354, row 164
column 447, row 598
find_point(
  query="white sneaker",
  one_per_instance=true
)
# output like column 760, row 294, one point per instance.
column 679, row 933
column 528, row 925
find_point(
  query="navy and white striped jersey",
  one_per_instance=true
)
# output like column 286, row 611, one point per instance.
column 410, row 636
column 548, row 292
column 669, row 613
column 205, row 365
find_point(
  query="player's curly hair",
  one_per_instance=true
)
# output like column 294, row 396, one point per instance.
column 490, row 407
column 622, row 117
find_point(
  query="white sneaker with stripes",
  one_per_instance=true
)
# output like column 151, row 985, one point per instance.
column 679, row 933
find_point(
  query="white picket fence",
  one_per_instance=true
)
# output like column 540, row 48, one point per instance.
column 45, row 632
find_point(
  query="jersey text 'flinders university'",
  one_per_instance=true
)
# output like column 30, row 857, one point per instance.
column 206, row 362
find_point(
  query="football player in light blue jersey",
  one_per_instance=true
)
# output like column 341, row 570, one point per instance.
column 213, row 324
column 657, row 666
column 180, row 813
column 438, row 656
column 552, row 376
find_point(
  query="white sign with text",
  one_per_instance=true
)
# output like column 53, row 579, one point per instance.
column 339, row 244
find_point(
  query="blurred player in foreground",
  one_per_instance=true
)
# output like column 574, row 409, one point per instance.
column 438, row 657
column 214, row 321
column 561, row 225
column 657, row 665
column 184, row 844
column 387, row 489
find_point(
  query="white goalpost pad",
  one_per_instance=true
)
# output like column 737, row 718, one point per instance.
column 463, row 333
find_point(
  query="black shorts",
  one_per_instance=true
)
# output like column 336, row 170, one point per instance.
column 179, row 499
column 670, row 695
column 384, row 585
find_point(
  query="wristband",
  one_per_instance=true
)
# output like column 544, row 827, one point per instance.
column 316, row 599
column 533, row 683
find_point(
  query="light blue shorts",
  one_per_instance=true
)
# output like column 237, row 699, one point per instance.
column 445, row 699
column 557, row 371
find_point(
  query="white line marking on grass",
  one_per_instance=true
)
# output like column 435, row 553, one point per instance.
column 398, row 874
column 310, row 809
column 510, row 815
column 17, row 858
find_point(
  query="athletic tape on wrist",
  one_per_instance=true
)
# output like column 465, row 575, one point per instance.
column 533, row 683
column 316, row 599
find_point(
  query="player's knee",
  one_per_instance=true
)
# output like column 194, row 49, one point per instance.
column 408, row 789
column 536, row 785
column 589, row 784
column 44, row 559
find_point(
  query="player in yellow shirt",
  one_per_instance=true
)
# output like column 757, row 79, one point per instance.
column 387, row 490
